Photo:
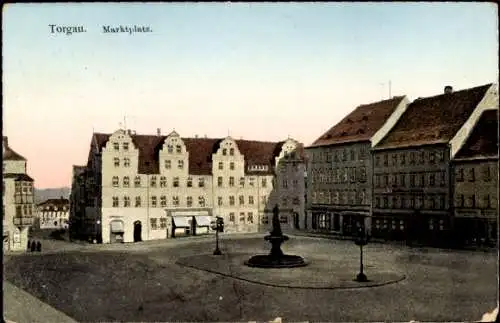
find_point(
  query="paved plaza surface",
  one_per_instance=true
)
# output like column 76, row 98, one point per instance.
column 179, row 280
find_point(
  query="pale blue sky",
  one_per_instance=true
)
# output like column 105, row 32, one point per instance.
column 260, row 71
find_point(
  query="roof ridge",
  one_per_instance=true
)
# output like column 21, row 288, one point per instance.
column 454, row 92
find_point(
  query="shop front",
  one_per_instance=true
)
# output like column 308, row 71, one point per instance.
column 116, row 231
column 202, row 224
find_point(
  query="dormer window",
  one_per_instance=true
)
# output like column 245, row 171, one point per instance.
column 116, row 146
column 231, row 151
column 178, row 149
column 125, row 146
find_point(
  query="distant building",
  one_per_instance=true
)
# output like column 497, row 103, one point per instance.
column 412, row 186
column 18, row 204
column 340, row 167
column 145, row 187
column 53, row 214
column 475, row 179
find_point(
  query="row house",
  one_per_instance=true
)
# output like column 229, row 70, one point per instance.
column 144, row 187
column 475, row 183
column 18, row 199
column 412, row 178
column 340, row 168
column 53, row 214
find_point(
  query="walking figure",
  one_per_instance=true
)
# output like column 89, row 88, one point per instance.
column 33, row 246
column 39, row 246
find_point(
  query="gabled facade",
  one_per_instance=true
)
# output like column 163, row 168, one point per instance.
column 18, row 200
column 53, row 214
column 144, row 187
column 412, row 186
column 339, row 169
column 475, row 183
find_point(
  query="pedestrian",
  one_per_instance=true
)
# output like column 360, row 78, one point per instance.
column 29, row 245
column 33, row 246
column 39, row 246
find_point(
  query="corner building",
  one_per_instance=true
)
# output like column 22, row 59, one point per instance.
column 340, row 168
column 146, row 187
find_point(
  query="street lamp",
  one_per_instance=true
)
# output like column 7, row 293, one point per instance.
column 218, row 226
column 361, row 240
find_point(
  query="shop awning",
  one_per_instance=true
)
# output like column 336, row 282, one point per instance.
column 203, row 220
column 117, row 227
column 182, row 221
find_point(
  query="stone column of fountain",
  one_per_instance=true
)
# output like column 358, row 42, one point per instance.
column 276, row 258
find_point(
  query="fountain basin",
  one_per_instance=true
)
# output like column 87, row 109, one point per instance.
column 269, row 261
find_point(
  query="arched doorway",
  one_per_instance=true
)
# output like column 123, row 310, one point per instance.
column 137, row 231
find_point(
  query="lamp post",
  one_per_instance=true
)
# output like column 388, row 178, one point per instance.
column 361, row 240
column 218, row 226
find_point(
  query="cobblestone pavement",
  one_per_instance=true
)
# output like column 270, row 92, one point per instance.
column 142, row 282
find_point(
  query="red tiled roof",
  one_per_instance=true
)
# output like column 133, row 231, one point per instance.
column 434, row 119
column 200, row 152
column 361, row 124
column 483, row 141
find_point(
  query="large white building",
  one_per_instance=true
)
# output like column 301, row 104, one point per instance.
column 53, row 214
column 18, row 208
column 145, row 187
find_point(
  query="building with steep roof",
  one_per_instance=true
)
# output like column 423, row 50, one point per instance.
column 18, row 208
column 144, row 187
column 340, row 168
column 412, row 186
column 475, row 183
column 53, row 214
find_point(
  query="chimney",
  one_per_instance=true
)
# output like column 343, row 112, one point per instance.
column 158, row 131
column 448, row 89
column 129, row 132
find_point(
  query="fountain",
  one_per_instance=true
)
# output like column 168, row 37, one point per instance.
column 276, row 258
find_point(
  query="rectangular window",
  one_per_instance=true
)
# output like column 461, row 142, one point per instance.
column 219, row 201
column 377, row 161
column 432, row 157
column 219, row 181
column 459, row 174
column 137, row 201
column 353, row 154
column 221, row 165
column 137, row 181
column 231, row 200
column 231, row 217
column 189, row 201
column 231, row 181
column 486, row 173
column 116, row 202
column 422, row 180
column 284, row 183
column 264, row 182
column 421, row 158
column 231, row 166
column 126, row 181
column 386, row 159
column 116, row 146
column 242, row 217
column 472, row 175
column 189, row 182
column 170, row 149
column 168, row 164
column 442, row 178
column 163, row 181
column 163, row 201
column 432, row 179
column 178, row 149
column 154, row 224
column 394, row 159
column 251, row 181
column 412, row 157
column 176, row 182
column 250, row 217
column 402, row 157
column 180, row 164
column 201, row 201
column 242, row 200
column 163, row 223
column 126, row 162
column 116, row 161
column 153, row 181
column 115, row 181
column 175, row 200
column 126, row 201
column 231, row 151
column 153, row 201
column 201, row 182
